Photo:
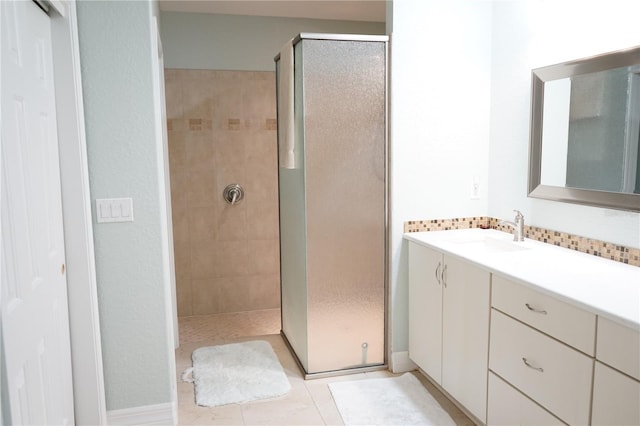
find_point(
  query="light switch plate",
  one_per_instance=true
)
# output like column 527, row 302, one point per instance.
column 114, row 210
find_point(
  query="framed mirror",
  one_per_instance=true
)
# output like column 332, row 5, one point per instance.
column 585, row 131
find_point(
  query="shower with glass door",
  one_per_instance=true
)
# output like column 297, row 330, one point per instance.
column 332, row 143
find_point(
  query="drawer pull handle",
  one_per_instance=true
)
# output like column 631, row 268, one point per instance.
column 528, row 364
column 537, row 311
column 438, row 272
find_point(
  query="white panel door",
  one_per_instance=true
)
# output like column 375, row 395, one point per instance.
column 34, row 289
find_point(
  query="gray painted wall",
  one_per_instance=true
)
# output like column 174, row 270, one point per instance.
column 228, row 42
column 116, row 62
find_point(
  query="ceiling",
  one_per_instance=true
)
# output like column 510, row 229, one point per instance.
column 346, row 10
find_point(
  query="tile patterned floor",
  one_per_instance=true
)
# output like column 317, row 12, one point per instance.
column 308, row 403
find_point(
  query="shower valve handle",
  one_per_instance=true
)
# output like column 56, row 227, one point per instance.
column 233, row 194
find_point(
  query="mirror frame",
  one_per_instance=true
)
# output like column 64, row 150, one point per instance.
column 613, row 200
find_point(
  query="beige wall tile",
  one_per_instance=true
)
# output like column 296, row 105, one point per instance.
column 203, row 260
column 171, row 74
column 271, row 124
column 196, row 99
column 259, row 98
column 261, row 150
column 182, row 257
column 226, row 101
column 201, row 76
column 233, row 293
column 230, row 258
column 231, row 221
column 200, row 151
column 184, row 296
column 173, row 97
column 261, row 75
column 180, row 217
column 262, row 219
column 179, row 188
column 202, row 224
column 230, row 150
column 264, row 291
column 262, row 186
column 177, row 151
column 205, row 296
column 177, row 125
column 264, row 257
column 201, row 189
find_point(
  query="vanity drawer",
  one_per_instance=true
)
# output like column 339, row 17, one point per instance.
column 557, row 376
column 619, row 347
column 508, row 406
column 561, row 320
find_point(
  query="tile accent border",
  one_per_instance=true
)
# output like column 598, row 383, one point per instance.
column 628, row 255
column 231, row 124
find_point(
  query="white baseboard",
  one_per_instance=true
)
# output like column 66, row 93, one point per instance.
column 400, row 362
column 159, row 414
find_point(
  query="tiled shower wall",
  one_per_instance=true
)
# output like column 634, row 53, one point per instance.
column 222, row 130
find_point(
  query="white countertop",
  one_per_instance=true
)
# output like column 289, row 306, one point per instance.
column 605, row 287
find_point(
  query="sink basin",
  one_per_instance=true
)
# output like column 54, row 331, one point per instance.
column 490, row 244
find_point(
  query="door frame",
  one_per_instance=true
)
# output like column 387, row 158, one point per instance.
column 84, row 325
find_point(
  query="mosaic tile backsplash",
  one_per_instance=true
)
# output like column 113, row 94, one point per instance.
column 598, row 248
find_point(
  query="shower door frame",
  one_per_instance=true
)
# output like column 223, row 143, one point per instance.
column 386, row 218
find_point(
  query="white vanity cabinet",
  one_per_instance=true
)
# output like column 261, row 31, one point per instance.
column 449, row 324
column 524, row 333
column 616, row 384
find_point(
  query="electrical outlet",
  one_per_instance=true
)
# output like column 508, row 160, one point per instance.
column 475, row 188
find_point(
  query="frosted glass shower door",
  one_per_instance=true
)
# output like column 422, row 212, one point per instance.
column 293, row 241
column 340, row 108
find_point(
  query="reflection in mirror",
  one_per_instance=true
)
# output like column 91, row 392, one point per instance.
column 585, row 131
column 590, row 136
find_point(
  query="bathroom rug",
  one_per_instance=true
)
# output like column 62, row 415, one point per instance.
column 236, row 373
column 401, row 400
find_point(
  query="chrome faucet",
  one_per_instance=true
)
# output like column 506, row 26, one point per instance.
column 517, row 225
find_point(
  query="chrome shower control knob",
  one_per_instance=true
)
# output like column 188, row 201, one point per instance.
column 233, row 194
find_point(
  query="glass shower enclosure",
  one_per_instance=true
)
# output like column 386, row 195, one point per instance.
column 332, row 144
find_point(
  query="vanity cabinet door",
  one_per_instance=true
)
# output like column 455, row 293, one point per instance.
column 465, row 334
column 619, row 347
column 425, row 309
column 616, row 398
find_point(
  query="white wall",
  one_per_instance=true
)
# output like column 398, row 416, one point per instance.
column 531, row 34
column 440, row 99
column 228, row 42
column 123, row 151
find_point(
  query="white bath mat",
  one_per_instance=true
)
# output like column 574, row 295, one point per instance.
column 237, row 373
column 399, row 400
